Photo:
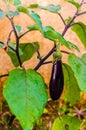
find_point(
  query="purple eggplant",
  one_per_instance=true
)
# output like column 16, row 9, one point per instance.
column 57, row 80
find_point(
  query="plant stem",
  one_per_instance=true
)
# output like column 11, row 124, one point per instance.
column 8, row 46
column 23, row 34
column 43, row 59
column 17, row 41
column 81, row 13
column 62, row 19
column 11, row 120
column 4, row 75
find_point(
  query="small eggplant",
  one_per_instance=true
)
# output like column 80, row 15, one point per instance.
column 57, row 80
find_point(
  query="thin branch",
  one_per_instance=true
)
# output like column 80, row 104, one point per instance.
column 84, row 2
column 8, row 46
column 81, row 13
column 66, row 52
column 47, row 62
column 17, row 41
column 43, row 59
column 62, row 19
column 4, row 75
column 7, row 41
column 23, row 34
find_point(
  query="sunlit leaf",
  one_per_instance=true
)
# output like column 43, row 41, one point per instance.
column 66, row 123
column 80, row 29
column 72, row 89
column 51, row 8
column 33, row 27
column 17, row 2
column 76, row 4
column 25, row 92
column 53, row 35
column 79, row 69
column 33, row 15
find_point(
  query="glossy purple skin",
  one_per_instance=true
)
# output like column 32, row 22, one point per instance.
column 57, row 81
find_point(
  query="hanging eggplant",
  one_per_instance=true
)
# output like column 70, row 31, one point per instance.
column 57, row 80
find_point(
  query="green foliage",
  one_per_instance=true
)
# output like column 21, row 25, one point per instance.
column 51, row 8
column 26, row 51
column 51, row 34
column 33, row 27
column 79, row 69
column 80, row 29
column 25, row 92
column 2, row 14
column 76, row 4
column 19, row 29
column 72, row 88
column 12, row 13
column 66, row 123
column 17, row 2
column 32, row 14
column 84, row 58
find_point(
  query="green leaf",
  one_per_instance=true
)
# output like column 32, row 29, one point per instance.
column 17, row 2
column 33, row 15
column 25, row 92
column 66, row 123
column 51, row 34
column 51, row 8
column 79, row 69
column 26, row 51
column 2, row 14
column 12, row 13
column 84, row 58
column 33, row 27
column 18, row 28
column 76, row 4
column 33, row 6
column 1, row 45
column 80, row 29
column 71, row 45
column 72, row 89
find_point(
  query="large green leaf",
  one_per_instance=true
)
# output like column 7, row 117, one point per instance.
column 26, row 51
column 51, row 8
column 25, row 92
column 84, row 58
column 66, row 123
column 79, row 69
column 72, row 89
column 76, row 4
column 33, row 15
column 80, row 29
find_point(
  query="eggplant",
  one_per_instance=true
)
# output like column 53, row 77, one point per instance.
column 57, row 80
